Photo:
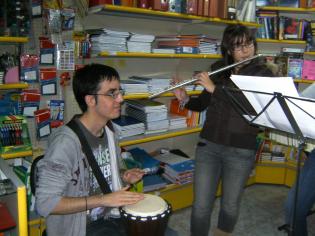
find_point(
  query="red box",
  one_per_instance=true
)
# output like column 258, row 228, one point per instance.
column 42, row 115
column 30, row 95
column 48, row 74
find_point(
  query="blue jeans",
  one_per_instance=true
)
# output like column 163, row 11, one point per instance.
column 214, row 162
column 306, row 197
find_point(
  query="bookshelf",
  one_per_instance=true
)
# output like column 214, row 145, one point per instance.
column 14, row 86
column 149, row 21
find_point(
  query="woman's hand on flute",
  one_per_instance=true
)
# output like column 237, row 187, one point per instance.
column 205, row 81
column 180, row 93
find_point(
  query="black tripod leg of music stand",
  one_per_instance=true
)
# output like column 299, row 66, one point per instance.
column 285, row 227
column 296, row 192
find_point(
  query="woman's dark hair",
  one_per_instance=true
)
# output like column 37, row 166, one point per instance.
column 235, row 35
column 86, row 81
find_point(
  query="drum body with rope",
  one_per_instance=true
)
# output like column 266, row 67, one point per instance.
column 147, row 217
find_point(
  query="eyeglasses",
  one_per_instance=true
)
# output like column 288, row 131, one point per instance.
column 241, row 47
column 114, row 94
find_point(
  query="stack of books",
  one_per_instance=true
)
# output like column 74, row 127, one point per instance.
column 154, row 83
column 150, row 182
column 178, row 169
column 153, row 182
column 128, row 126
column 140, row 43
column 176, row 121
column 209, row 46
column 163, row 50
column 194, row 44
column 133, row 87
column 152, row 113
column 108, row 41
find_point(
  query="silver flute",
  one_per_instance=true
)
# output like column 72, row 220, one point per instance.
column 185, row 82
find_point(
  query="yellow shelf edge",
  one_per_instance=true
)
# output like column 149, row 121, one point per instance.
column 22, row 211
column 14, row 86
column 159, row 137
column 36, row 221
column 160, row 55
column 271, row 163
column 7, row 39
column 146, row 95
column 309, row 53
column 259, row 40
column 304, row 81
column 293, row 9
column 142, row 11
column 16, row 155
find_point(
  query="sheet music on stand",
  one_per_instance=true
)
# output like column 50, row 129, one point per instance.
column 261, row 90
column 278, row 106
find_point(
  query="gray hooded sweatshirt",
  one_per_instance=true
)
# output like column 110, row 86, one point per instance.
column 63, row 172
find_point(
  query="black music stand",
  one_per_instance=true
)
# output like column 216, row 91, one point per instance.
column 289, row 107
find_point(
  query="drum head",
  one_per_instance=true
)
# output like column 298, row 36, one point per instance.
column 151, row 205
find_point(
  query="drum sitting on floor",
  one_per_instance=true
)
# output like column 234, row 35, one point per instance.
column 147, row 217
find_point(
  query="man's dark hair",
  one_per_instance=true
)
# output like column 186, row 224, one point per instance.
column 86, row 81
column 235, row 35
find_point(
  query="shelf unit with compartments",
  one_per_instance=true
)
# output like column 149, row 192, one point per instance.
column 17, row 42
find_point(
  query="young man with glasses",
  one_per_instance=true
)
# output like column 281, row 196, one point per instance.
column 68, row 194
column 226, row 149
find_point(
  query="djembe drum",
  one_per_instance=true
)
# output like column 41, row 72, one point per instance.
column 148, row 217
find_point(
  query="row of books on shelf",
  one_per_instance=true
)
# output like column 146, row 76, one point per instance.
column 173, row 166
column 286, row 3
column 271, row 151
column 207, row 8
column 278, row 27
column 293, row 65
column 243, row 10
column 151, row 84
column 106, row 40
column 144, row 116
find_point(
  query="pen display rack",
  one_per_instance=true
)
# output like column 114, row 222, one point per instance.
column 14, row 135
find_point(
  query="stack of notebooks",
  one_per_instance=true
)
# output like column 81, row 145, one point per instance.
column 150, row 182
column 128, row 126
column 209, row 46
column 178, row 167
column 133, row 87
column 176, row 121
column 152, row 113
column 108, row 41
column 140, row 43
column 154, row 83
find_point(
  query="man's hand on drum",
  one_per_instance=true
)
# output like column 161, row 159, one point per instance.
column 133, row 175
column 121, row 198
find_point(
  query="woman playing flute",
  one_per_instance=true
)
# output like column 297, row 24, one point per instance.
column 226, row 148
